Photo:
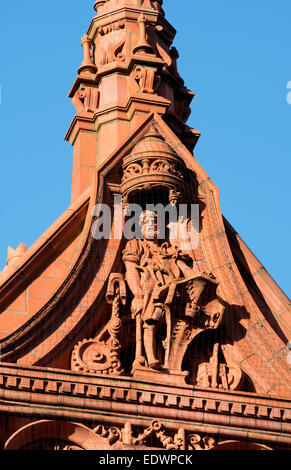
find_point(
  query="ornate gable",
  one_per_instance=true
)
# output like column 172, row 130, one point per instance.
column 155, row 340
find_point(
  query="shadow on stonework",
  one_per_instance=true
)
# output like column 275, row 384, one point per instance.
column 253, row 288
column 209, row 356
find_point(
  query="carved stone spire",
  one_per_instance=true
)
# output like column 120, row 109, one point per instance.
column 129, row 70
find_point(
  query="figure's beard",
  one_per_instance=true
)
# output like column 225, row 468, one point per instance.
column 150, row 233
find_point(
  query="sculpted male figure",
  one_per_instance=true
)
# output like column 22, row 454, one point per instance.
column 151, row 269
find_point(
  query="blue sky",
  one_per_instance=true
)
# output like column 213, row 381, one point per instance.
column 236, row 56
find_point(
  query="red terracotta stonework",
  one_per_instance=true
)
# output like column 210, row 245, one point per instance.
column 139, row 344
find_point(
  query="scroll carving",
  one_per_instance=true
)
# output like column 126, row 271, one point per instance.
column 157, row 432
column 111, row 435
column 101, row 354
column 132, row 170
column 104, row 30
column 164, row 166
column 198, row 443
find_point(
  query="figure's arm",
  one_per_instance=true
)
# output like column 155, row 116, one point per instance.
column 133, row 277
column 133, row 280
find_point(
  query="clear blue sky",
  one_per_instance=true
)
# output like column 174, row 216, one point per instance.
column 236, row 56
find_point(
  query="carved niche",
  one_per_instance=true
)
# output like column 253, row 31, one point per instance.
column 166, row 300
column 152, row 164
column 173, row 302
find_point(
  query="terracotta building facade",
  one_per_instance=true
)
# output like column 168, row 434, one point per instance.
column 141, row 342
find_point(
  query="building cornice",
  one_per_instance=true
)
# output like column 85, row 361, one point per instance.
column 57, row 393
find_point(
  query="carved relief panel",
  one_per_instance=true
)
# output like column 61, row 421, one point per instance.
column 112, row 44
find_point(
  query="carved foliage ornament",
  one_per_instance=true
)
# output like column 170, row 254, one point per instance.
column 156, row 166
column 158, row 433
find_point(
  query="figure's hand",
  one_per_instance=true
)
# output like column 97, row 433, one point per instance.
column 137, row 305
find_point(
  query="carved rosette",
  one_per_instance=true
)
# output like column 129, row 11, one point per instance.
column 152, row 163
column 95, row 357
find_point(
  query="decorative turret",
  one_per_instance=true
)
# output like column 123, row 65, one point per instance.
column 129, row 69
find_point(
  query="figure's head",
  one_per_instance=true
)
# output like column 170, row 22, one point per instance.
column 148, row 223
